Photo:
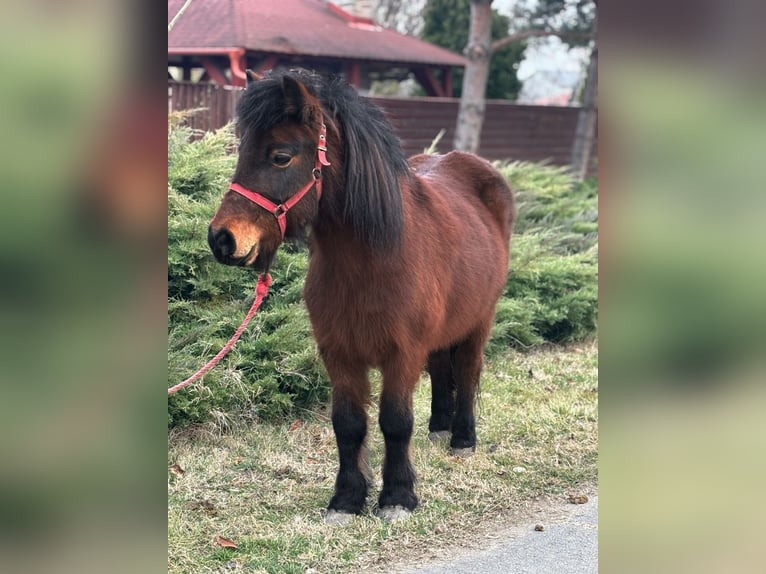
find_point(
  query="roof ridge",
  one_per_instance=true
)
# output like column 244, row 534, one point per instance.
column 297, row 29
column 348, row 16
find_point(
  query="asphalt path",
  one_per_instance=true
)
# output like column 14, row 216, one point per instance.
column 566, row 545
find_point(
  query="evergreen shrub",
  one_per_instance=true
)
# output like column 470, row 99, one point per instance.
column 275, row 370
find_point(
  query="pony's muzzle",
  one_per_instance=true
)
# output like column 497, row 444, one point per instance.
column 221, row 242
column 224, row 246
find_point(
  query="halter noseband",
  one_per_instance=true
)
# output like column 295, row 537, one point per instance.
column 280, row 211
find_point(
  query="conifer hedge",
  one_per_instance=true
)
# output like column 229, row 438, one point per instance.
column 274, row 370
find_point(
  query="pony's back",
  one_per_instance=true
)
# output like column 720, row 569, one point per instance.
column 465, row 173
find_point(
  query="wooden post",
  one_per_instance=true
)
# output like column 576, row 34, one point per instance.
column 472, row 101
column 585, row 131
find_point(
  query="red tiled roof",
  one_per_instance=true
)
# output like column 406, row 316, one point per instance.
column 306, row 27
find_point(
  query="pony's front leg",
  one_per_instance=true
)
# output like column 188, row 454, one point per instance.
column 350, row 396
column 397, row 499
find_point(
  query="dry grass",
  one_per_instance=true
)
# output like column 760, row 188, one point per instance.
column 265, row 487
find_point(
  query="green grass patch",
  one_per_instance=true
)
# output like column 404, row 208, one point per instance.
column 266, row 485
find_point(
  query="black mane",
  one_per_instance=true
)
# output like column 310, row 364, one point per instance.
column 373, row 159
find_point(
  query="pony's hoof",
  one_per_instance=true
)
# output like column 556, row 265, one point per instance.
column 437, row 437
column 393, row 513
column 463, row 452
column 337, row 517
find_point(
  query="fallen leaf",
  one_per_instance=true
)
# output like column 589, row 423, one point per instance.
column 224, row 542
column 295, row 425
column 177, row 470
column 577, row 499
column 205, row 505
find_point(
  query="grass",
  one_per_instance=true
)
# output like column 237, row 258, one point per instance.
column 255, row 438
column 265, row 486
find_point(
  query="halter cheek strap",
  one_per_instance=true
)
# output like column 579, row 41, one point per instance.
column 280, row 210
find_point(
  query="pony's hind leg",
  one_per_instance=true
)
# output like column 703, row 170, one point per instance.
column 467, row 369
column 440, row 368
column 397, row 498
column 350, row 395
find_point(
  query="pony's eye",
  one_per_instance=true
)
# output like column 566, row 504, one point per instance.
column 281, row 159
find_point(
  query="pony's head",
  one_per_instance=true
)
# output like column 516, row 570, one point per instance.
column 274, row 191
column 285, row 163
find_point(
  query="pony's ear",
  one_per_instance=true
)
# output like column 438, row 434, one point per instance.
column 252, row 76
column 299, row 103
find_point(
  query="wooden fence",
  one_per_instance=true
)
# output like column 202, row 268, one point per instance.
column 216, row 103
column 511, row 131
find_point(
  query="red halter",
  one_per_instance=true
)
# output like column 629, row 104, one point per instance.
column 280, row 211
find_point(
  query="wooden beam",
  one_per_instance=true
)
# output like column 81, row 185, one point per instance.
column 447, row 79
column 266, row 65
column 432, row 86
column 353, row 75
column 237, row 66
column 214, row 71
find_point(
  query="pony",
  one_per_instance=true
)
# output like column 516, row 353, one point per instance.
column 407, row 259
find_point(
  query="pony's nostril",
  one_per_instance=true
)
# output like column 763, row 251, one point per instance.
column 221, row 242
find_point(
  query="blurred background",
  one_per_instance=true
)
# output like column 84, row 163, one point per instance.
column 683, row 134
column 412, row 58
column 82, row 254
column 681, row 139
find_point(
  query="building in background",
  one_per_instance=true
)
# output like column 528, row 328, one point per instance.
column 217, row 40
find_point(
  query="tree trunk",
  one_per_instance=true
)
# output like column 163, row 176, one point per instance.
column 472, row 100
column 585, row 132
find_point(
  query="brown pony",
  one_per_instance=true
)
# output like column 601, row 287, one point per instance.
column 407, row 262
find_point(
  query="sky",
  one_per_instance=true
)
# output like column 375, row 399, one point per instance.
column 549, row 66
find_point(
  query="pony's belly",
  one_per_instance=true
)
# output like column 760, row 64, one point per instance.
column 363, row 337
column 367, row 317
column 457, row 327
column 373, row 338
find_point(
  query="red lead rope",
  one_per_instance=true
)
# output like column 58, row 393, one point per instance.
column 264, row 281
column 280, row 212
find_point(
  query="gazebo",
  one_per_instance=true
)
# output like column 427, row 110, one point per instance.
column 217, row 40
